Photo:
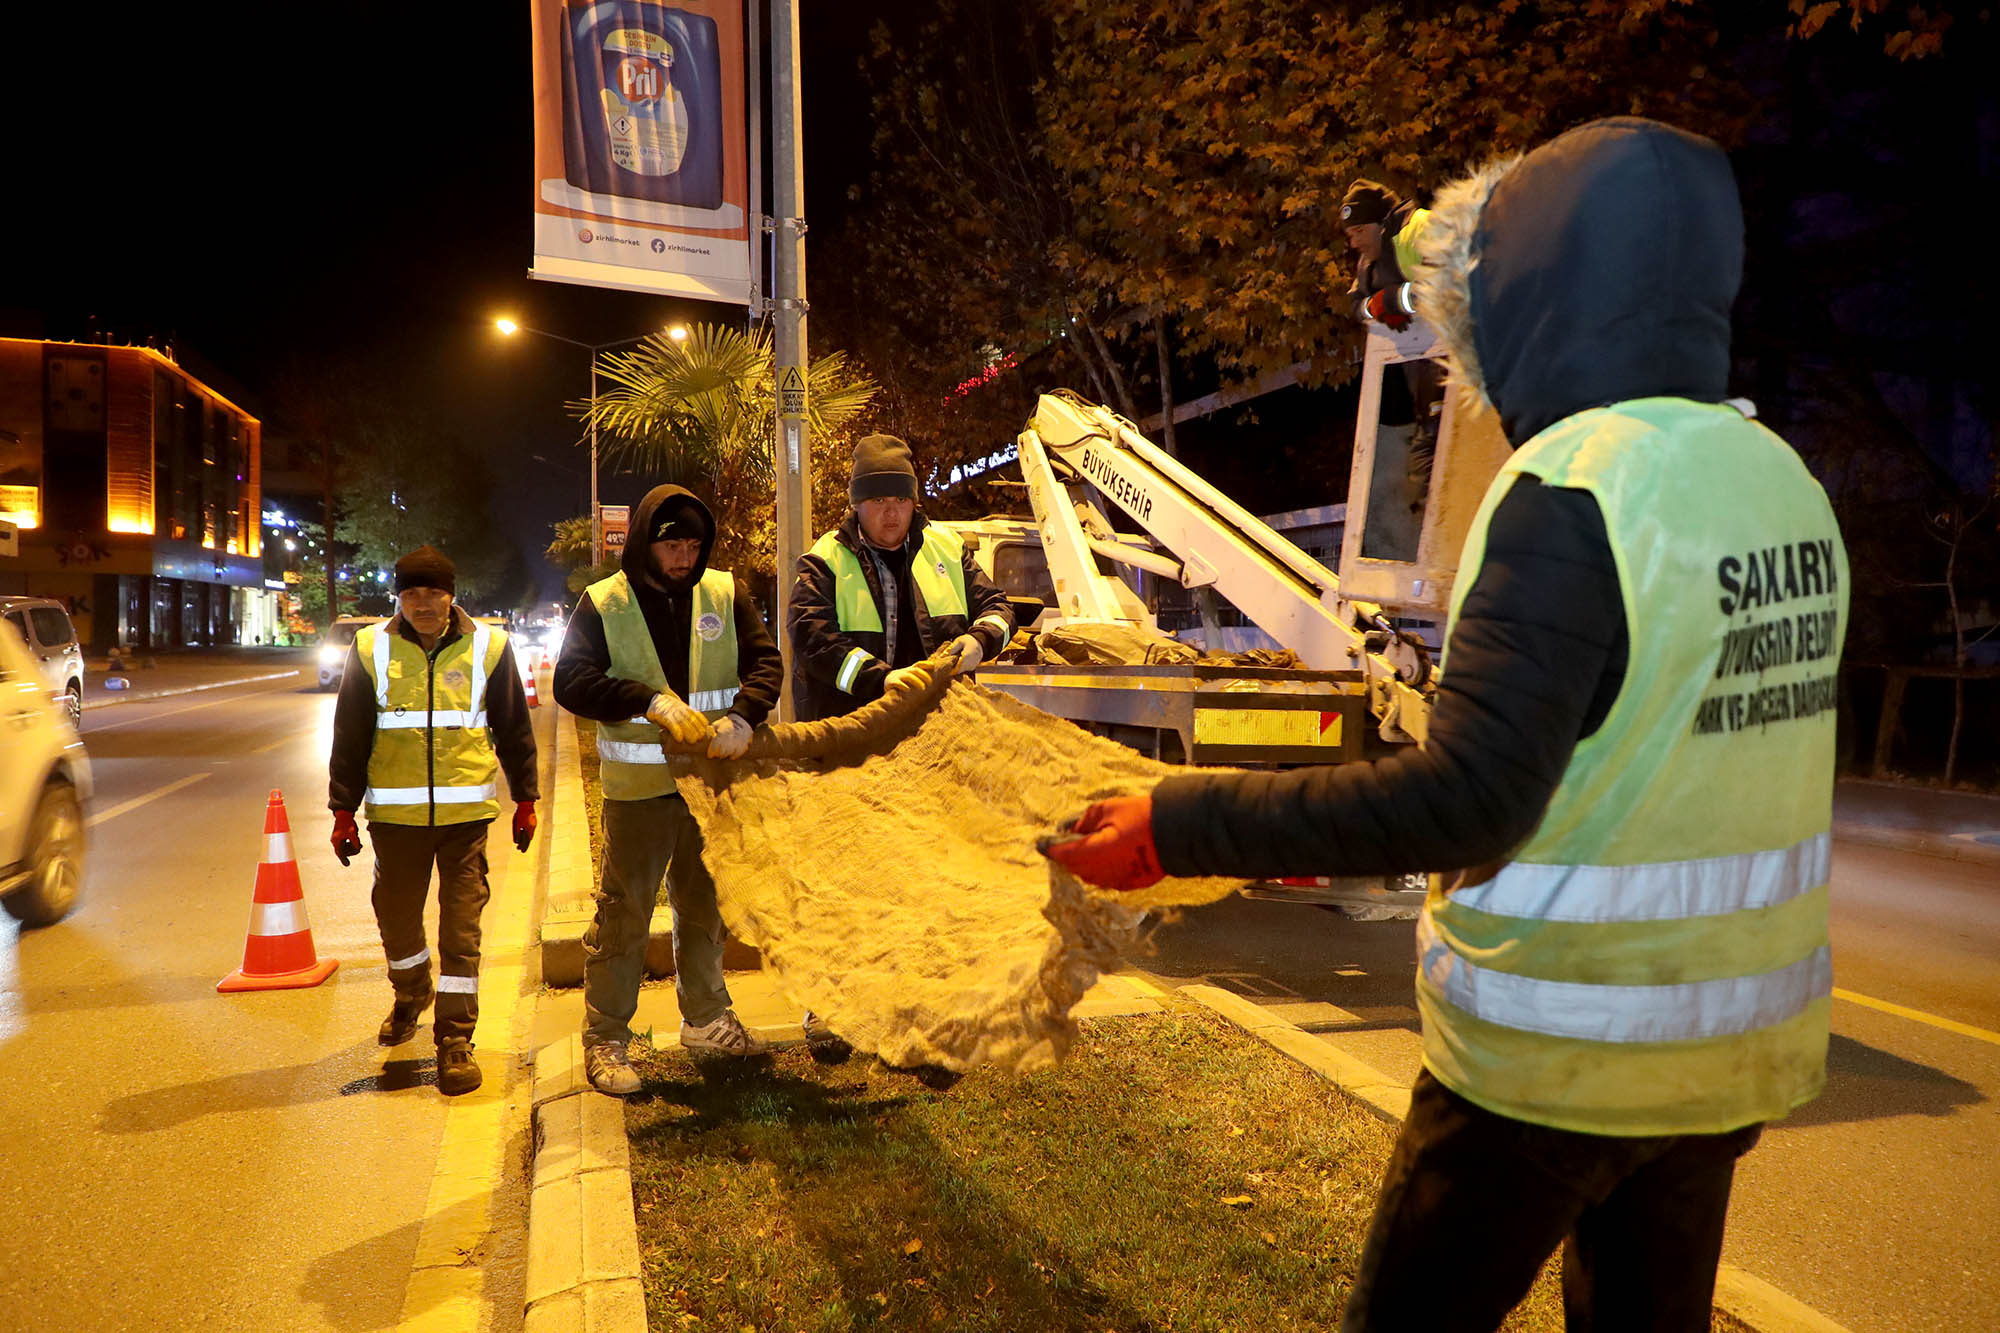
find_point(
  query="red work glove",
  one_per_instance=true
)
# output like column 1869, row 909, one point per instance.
column 346, row 837
column 1387, row 308
column 1113, row 845
column 524, row 824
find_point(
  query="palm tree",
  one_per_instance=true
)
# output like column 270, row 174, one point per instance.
column 699, row 413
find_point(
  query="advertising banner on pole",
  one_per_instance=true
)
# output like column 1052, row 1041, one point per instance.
column 641, row 171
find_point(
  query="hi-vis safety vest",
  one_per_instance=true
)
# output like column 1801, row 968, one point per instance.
column 936, row 567
column 432, row 762
column 1654, row 959
column 631, row 764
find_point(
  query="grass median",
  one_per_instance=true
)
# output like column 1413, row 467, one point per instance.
column 1172, row 1174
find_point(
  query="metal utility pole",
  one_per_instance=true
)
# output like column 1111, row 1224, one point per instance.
column 596, row 514
column 789, row 313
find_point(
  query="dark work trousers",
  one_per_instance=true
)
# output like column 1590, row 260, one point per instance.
column 1473, row 1203
column 404, row 855
column 645, row 842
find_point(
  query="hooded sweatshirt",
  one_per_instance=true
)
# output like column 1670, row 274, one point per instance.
column 1597, row 269
column 583, row 683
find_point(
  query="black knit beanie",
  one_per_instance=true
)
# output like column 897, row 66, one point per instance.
column 882, row 470
column 426, row 568
column 1367, row 201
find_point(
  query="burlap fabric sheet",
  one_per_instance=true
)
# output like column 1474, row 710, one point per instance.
column 884, row 864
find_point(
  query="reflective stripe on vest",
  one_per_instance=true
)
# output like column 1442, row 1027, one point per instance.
column 1654, row 959
column 422, row 795
column 431, row 765
column 937, row 568
column 632, row 765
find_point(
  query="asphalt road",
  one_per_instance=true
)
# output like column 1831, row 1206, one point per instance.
column 177, row 1158
column 1879, row 1203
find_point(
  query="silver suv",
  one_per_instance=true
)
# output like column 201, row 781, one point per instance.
column 44, row 781
column 51, row 640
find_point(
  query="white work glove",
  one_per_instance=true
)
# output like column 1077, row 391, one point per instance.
column 916, row 677
column 970, row 654
column 681, row 723
column 732, row 738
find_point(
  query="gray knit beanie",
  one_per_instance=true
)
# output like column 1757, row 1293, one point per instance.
column 882, row 470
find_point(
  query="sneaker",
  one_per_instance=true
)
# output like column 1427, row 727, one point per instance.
column 457, row 1072
column 726, row 1035
column 822, row 1043
column 401, row 1024
column 609, row 1069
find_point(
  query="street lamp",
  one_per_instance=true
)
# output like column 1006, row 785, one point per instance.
column 509, row 328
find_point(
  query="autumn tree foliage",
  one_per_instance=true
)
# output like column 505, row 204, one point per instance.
column 1219, row 204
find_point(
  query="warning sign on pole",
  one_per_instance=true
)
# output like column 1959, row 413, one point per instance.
column 791, row 393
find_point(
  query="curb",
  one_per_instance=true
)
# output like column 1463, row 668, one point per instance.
column 1951, row 847
column 583, row 1237
column 583, row 1241
column 1745, row 1303
column 112, row 699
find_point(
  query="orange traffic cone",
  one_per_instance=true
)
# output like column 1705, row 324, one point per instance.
column 528, row 683
column 278, row 955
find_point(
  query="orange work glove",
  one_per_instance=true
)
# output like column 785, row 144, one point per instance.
column 524, row 824
column 1112, row 845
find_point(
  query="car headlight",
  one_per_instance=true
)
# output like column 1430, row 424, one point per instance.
column 330, row 654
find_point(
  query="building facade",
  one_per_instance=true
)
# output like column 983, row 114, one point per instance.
column 135, row 491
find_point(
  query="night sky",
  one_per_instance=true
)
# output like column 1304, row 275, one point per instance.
column 338, row 183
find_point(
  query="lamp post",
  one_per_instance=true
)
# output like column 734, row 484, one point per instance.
column 678, row 332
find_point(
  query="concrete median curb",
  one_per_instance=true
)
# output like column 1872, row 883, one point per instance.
column 583, row 1241
column 1744, row 1303
column 103, row 699
column 1953, row 847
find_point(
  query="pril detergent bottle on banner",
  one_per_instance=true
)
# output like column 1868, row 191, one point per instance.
column 642, row 102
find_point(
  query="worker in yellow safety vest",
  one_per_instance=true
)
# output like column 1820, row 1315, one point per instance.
column 1623, row 966
column 665, row 646
column 885, row 590
column 877, row 596
column 431, row 707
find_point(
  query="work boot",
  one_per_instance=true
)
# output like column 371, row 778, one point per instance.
column 822, row 1043
column 725, row 1035
column 401, row 1024
column 609, row 1069
column 456, row 1070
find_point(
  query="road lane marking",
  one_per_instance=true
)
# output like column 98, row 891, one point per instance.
column 1918, row 1015
column 137, row 801
column 285, row 740
column 171, row 712
column 446, row 1284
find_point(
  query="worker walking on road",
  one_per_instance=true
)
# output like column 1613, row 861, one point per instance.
column 430, row 707
column 1623, row 969
column 666, row 646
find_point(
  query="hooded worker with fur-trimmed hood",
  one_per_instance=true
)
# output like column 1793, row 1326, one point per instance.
column 1626, row 788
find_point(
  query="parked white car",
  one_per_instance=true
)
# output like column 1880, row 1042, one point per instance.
column 44, row 625
column 44, row 782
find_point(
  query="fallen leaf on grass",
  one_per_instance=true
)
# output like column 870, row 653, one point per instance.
column 1237, row 1200
column 912, row 1245
column 1270, row 1239
column 879, row 1298
column 1255, row 1177
column 1236, row 1131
